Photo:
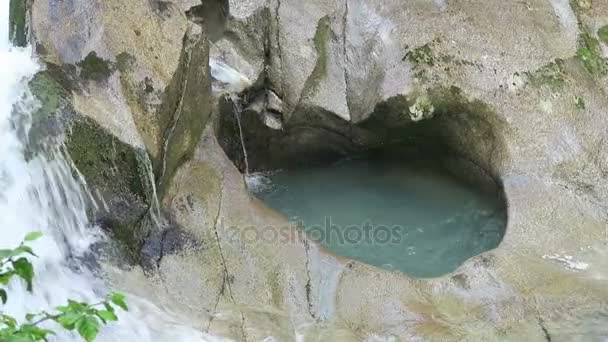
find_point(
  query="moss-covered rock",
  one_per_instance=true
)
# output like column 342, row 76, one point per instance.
column 551, row 75
column 321, row 41
column 590, row 54
column 18, row 30
column 125, row 61
column 116, row 173
column 95, row 68
column 602, row 33
column 421, row 55
column 51, row 88
column 185, row 109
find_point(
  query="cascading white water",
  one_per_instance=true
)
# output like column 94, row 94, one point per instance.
column 41, row 194
column 230, row 81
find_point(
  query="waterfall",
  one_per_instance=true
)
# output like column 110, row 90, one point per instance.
column 237, row 110
column 41, row 194
column 229, row 81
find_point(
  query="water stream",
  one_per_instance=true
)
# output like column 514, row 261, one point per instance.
column 41, row 194
column 238, row 110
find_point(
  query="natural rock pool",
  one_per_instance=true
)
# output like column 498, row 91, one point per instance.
column 406, row 214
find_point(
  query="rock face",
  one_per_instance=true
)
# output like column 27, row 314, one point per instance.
column 136, row 77
column 518, row 88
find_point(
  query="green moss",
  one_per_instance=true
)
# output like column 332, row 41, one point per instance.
column 421, row 55
column 579, row 6
column 603, row 34
column 590, row 55
column 52, row 90
column 18, row 30
column 398, row 104
column 95, row 68
column 125, row 61
column 321, row 42
column 49, row 93
column 116, row 171
column 579, row 102
column 103, row 159
column 551, row 75
column 276, row 290
column 185, row 110
column 448, row 100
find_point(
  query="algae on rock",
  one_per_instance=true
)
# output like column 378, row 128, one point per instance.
column 95, row 68
column 590, row 54
column 321, row 41
column 602, row 33
column 185, row 109
column 114, row 171
column 18, row 25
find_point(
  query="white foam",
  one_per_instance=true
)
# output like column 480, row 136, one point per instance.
column 568, row 261
column 227, row 78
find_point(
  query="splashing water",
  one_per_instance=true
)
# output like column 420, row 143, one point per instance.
column 41, row 194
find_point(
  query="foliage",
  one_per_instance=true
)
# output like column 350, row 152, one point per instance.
column 602, row 33
column 421, row 55
column 590, row 54
column 579, row 102
column 95, row 68
column 83, row 318
column 18, row 30
column 551, row 74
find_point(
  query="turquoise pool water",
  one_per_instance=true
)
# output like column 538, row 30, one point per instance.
column 407, row 215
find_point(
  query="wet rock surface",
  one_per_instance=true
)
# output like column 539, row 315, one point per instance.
column 517, row 88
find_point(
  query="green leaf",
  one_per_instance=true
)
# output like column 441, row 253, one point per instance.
column 68, row 320
column 6, row 253
column 24, row 249
column 19, row 337
column 25, row 270
column 88, row 327
column 35, row 332
column 29, row 316
column 77, row 306
column 63, row 309
column 33, row 236
column 119, row 300
column 3, row 296
column 8, row 320
column 108, row 306
column 5, row 277
column 107, row 315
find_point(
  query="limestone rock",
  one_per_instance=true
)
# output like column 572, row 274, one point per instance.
column 517, row 88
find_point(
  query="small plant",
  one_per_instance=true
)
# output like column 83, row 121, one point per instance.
column 590, row 54
column 579, row 102
column 421, row 55
column 551, row 75
column 83, row 318
column 421, row 109
column 95, row 68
